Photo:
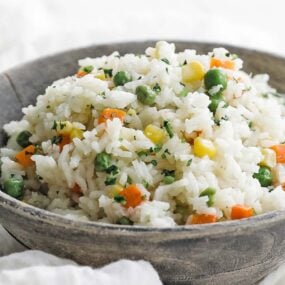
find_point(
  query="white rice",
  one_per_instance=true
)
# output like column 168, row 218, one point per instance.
column 252, row 120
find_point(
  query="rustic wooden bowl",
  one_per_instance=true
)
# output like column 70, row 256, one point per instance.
column 234, row 252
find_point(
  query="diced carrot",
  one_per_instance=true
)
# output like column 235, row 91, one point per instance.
column 24, row 156
column 201, row 219
column 241, row 212
column 280, row 152
column 81, row 73
column 132, row 195
column 65, row 139
column 228, row 64
column 76, row 189
column 110, row 114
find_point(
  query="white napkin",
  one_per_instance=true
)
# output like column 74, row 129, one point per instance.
column 36, row 267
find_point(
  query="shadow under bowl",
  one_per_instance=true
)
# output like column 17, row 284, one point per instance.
column 233, row 252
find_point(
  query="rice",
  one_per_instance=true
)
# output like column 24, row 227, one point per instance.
column 175, row 155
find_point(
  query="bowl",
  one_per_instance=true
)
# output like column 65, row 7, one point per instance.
column 232, row 252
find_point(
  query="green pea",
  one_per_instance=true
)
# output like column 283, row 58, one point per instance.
column 145, row 95
column 210, row 192
column 215, row 101
column 264, row 176
column 14, row 187
column 168, row 179
column 215, row 77
column 121, row 78
column 124, row 221
column 102, row 161
column 23, row 138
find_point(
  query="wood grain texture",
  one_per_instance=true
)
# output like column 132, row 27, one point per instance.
column 235, row 252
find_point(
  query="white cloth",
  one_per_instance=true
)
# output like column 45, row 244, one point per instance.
column 36, row 267
column 33, row 28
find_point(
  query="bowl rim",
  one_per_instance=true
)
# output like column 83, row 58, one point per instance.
column 202, row 230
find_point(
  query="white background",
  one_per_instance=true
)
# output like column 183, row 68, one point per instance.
column 32, row 28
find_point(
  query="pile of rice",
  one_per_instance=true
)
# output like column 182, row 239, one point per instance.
column 65, row 181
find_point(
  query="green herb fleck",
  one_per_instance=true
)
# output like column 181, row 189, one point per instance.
column 88, row 68
column 156, row 88
column 154, row 162
column 168, row 128
column 54, row 126
column 165, row 60
column 110, row 180
column 189, row 162
column 56, row 139
column 129, row 180
column 120, row 199
column 124, row 221
column 145, row 183
column 108, row 72
column 113, row 169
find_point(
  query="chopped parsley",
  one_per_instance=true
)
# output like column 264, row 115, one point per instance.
column 189, row 162
column 168, row 128
column 56, row 139
column 113, row 169
column 167, row 172
column 154, row 162
column 88, row 68
column 129, row 180
column 165, row 60
column 108, row 72
column 145, row 184
column 165, row 153
column 156, row 88
column 54, row 126
column 110, row 180
column 124, row 221
column 120, row 199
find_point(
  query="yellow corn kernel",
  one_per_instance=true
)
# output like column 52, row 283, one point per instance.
column 100, row 75
column 154, row 133
column 193, row 71
column 131, row 112
column 76, row 133
column 203, row 147
column 116, row 189
column 269, row 157
column 63, row 127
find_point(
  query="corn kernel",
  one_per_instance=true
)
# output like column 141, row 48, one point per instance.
column 63, row 127
column 100, row 75
column 131, row 112
column 76, row 133
column 269, row 157
column 154, row 133
column 116, row 189
column 203, row 147
column 193, row 71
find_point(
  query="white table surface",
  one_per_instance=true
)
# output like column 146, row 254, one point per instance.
column 33, row 28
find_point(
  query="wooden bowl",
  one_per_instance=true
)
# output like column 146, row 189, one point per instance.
column 233, row 252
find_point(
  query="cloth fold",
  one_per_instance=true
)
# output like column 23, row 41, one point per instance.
column 36, row 267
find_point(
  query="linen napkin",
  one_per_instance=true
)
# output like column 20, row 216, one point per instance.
column 36, row 267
